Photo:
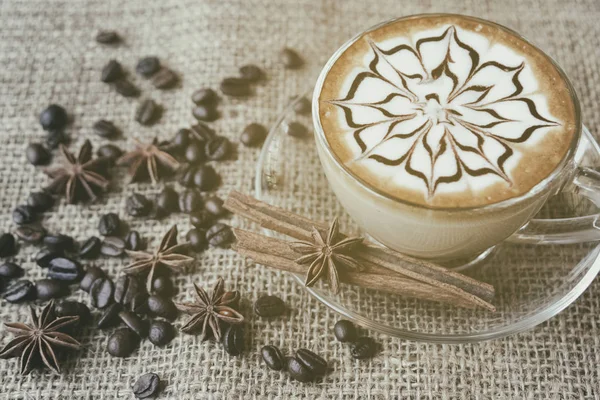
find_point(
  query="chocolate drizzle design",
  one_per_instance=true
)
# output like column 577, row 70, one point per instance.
column 441, row 101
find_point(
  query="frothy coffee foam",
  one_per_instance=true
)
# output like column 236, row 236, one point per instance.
column 447, row 111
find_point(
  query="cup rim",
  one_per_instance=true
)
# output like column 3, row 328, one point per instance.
column 534, row 191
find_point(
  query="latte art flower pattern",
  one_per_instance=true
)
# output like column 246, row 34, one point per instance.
column 444, row 109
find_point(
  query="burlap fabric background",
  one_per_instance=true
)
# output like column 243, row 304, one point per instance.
column 47, row 54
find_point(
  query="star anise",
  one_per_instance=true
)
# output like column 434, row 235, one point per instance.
column 81, row 178
column 208, row 311
column 37, row 342
column 326, row 255
column 168, row 256
column 148, row 161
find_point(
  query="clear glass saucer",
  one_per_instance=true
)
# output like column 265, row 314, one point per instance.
column 533, row 282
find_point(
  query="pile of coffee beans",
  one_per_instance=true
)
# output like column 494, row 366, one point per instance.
column 362, row 347
column 304, row 366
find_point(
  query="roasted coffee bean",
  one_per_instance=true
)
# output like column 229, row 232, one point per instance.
column 101, row 292
column 146, row 386
column 219, row 235
column 40, row 201
column 109, row 151
column 290, row 59
column 105, row 129
column 160, row 332
column 298, row 370
column 251, row 73
column 111, row 71
column 53, row 117
column 90, row 249
column 107, row 37
column 214, row 205
column 112, row 246
column 59, row 242
column 24, row 215
column 273, row 357
column 205, row 96
column 134, row 322
column 91, row 275
column 109, row 225
column 19, row 291
column 206, row 178
column 363, row 347
column 314, row 362
column 70, row 308
column 236, row 87
column 37, row 154
column 205, row 113
column 45, row 256
column 202, row 132
column 64, row 269
column 122, row 342
column 55, row 138
column 134, row 241
column 10, row 270
column 253, row 135
column 233, row 340
column 147, row 66
column 167, row 200
column 296, row 129
column 165, row 79
column 126, row 288
column 344, row 331
column 8, row 245
column 30, row 233
column 147, row 112
column 138, row 205
column 269, row 306
column 194, row 153
column 47, row 289
column 162, row 307
column 110, row 316
column 217, row 148
column 126, row 88
column 197, row 239
column 302, row 106
column 201, row 219
column 139, row 303
column 162, row 286
column 190, row 201
column 186, row 177
column 182, row 138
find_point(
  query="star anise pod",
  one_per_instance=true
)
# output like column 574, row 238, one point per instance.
column 38, row 341
column 168, row 255
column 208, row 311
column 148, row 161
column 81, row 178
column 326, row 255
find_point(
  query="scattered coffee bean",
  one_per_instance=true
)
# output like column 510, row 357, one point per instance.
column 101, row 292
column 55, row 138
column 182, row 138
column 7, row 245
column 64, row 269
column 90, row 249
column 126, row 288
column 44, row 256
column 273, row 357
column 110, row 316
column 233, row 340
column 194, row 153
column 53, row 117
column 107, row 37
column 137, row 205
column 190, row 201
column 24, row 215
column 186, row 177
column 205, row 178
column 112, row 246
column 298, row 370
column 162, row 286
column 146, row 386
column 251, row 73
column 37, row 154
column 59, row 242
column 111, row 71
column 109, row 225
column 162, row 307
column 126, row 88
column 219, row 235
column 296, row 129
column 135, row 323
column 364, row 347
column 202, row 132
column 71, row 308
column 205, row 113
column 197, row 239
column 345, row 331
column 92, row 274
column 167, row 200
column 269, row 306
column 201, row 219
column 105, row 129
column 19, row 291
column 10, row 270
column 290, row 59
column 205, row 96
column 160, row 332
column 47, row 289
column 237, row 87
column 122, row 342
column 253, row 135
column 109, row 151
column 302, row 106
column 30, row 233
column 214, row 205
column 134, row 241
column 164, row 79
column 218, row 148
column 314, row 362
column 40, row 201
column 139, row 303
column 147, row 66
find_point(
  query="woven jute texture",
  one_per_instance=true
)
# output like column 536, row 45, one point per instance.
column 48, row 55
